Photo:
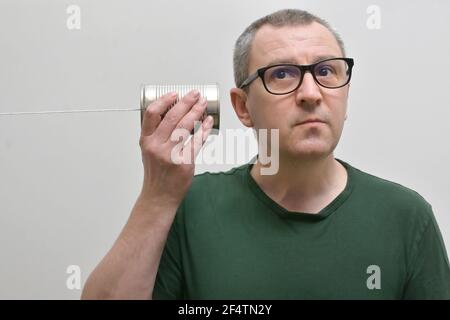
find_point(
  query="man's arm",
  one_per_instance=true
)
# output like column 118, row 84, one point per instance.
column 429, row 271
column 129, row 269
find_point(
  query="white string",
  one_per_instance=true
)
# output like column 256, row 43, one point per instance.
column 64, row 111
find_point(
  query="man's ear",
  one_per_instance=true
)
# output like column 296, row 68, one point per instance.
column 239, row 100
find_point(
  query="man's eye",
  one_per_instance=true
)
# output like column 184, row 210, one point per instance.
column 282, row 73
column 324, row 71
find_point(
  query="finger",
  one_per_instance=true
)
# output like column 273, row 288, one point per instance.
column 187, row 123
column 176, row 154
column 199, row 138
column 152, row 115
column 175, row 114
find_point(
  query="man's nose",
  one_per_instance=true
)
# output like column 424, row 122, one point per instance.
column 309, row 92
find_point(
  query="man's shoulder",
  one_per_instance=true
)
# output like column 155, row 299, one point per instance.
column 387, row 187
column 220, row 185
column 390, row 194
column 207, row 179
column 215, row 191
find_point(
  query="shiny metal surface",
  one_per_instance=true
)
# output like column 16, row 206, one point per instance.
column 150, row 93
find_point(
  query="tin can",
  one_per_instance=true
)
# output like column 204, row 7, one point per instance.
column 150, row 93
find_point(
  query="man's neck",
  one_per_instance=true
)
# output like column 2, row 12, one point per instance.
column 303, row 185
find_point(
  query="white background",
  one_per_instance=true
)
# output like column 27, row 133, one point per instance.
column 68, row 181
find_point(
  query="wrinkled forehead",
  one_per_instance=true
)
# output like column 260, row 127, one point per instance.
column 292, row 44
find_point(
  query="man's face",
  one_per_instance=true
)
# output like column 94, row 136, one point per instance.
column 299, row 45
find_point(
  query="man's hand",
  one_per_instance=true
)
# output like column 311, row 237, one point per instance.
column 165, row 178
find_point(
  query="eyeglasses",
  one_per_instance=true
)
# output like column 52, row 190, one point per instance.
column 285, row 78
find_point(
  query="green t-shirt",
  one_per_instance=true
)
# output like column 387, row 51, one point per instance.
column 229, row 240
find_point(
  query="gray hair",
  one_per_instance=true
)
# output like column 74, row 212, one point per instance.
column 281, row 18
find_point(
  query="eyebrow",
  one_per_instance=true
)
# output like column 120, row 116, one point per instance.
column 293, row 61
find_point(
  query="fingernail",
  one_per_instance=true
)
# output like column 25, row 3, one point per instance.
column 196, row 93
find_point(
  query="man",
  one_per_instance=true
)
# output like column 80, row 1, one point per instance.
column 316, row 229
